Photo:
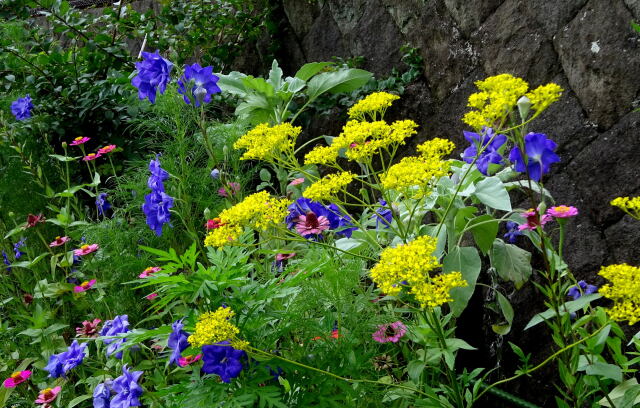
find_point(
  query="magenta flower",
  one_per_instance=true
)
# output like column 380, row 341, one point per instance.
column 59, row 241
column 88, row 329
column 149, row 271
column 86, row 249
column 84, row 286
column 311, row 224
column 284, row 257
column 562, row 211
column 80, row 140
column 188, row 360
column 91, row 156
column 297, row 181
column 106, row 149
column 33, row 220
column 16, row 378
column 390, row 332
column 233, row 188
column 533, row 220
column 151, row 296
column 48, row 395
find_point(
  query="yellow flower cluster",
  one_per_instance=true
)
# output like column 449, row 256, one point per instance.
column 629, row 205
column 624, row 290
column 497, row 97
column 414, row 171
column 267, row 143
column 436, row 147
column 214, row 327
column 328, row 186
column 372, row 105
column 321, row 155
column 258, row 211
column 544, row 95
column 411, row 265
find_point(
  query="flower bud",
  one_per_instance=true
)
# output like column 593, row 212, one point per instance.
column 524, row 105
column 64, row 145
column 215, row 174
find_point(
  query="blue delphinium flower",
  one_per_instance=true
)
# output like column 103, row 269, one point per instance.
column 17, row 246
column 102, row 394
column 120, row 324
column 337, row 220
column 153, row 75
column 127, row 389
column 157, row 203
column 177, row 341
column 513, row 232
column 383, row 215
column 490, row 154
column 61, row 364
column 582, row 288
column 198, row 84
column 102, row 203
column 21, row 108
column 540, row 153
column 223, row 360
column 5, row 260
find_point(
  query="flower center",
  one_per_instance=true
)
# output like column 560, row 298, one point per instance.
column 78, row 138
column 17, row 375
column 562, row 208
column 390, row 331
column 85, row 284
column 84, row 247
column 312, row 220
column 47, row 394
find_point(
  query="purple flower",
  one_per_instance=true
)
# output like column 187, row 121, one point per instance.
column 177, row 342
column 120, row 324
column 61, row 364
column 102, row 394
column 304, row 207
column 489, row 155
column 223, row 360
column 153, row 75
column 5, row 260
column 540, row 153
column 581, row 289
column 215, row 174
column 157, row 203
column 102, row 203
column 17, row 246
column 383, row 215
column 21, row 108
column 127, row 389
column 198, row 84
column 513, row 231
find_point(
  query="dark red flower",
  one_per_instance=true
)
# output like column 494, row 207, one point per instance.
column 32, row 220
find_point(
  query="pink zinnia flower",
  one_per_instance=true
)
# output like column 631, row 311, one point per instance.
column 80, row 140
column 312, row 224
column 106, row 149
column 562, row 211
column 233, row 188
column 185, row 361
column 149, row 271
column 48, row 395
column 151, row 296
column 284, row 257
column 390, row 332
column 213, row 224
column 59, row 241
column 91, row 156
column 33, row 220
column 16, row 378
column 297, row 181
column 84, row 286
column 86, row 249
column 533, row 220
column 88, row 329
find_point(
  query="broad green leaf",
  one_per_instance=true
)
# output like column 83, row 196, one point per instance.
column 605, row 370
column 569, row 307
column 467, row 261
column 294, row 84
column 507, row 312
column 484, row 229
column 491, row 192
column 512, row 263
column 14, row 231
column 259, row 85
column 232, row 83
column 310, row 69
column 415, row 369
column 78, row 400
column 63, row 158
column 345, row 80
column 456, row 344
column 624, row 395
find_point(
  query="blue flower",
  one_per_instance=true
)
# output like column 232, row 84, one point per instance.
column 153, row 75
column 581, row 289
column 337, row 220
column 120, row 324
column 489, row 155
column 127, row 389
column 177, row 341
column 61, row 364
column 17, row 246
column 102, row 394
column 157, row 203
column 223, row 360
column 5, row 260
column 513, row 232
column 202, row 84
column 540, row 153
column 21, row 108
column 383, row 215
column 215, row 174
column 102, row 203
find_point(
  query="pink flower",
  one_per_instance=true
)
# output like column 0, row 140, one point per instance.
column 80, row 140
column 86, row 249
column 213, row 224
column 533, row 220
column 233, row 188
column 283, row 257
column 59, row 241
column 297, row 181
column 84, row 286
column 88, row 329
column 185, row 361
column 91, row 156
column 151, row 296
column 33, row 220
column 312, row 224
column 390, row 332
column 16, row 378
column 106, row 149
column 562, row 211
column 48, row 395
column 149, row 271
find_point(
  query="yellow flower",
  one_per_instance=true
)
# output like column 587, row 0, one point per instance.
column 497, row 97
column 436, row 148
column 214, row 327
column 624, row 290
column 372, row 105
column 544, row 95
column 414, row 171
column 268, row 143
column 629, row 205
column 321, row 155
column 226, row 234
column 411, row 265
column 328, row 186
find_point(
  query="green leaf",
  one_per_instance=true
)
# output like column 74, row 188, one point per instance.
column 635, row 26
column 512, row 263
column 63, row 158
column 507, row 312
column 456, row 344
column 484, row 229
column 415, row 369
column 259, row 85
column 345, row 80
column 490, row 191
column 231, row 83
column 605, row 370
column 467, row 261
column 623, row 391
column 275, row 76
column 14, row 231
column 568, row 307
column 310, row 69
column 265, row 175
column 294, row 84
